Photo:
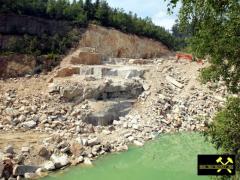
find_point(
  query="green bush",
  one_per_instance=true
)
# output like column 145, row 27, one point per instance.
column 224, row 132
column 46, row 44
column 52, row 56
column 210, row 73
column 215, row 31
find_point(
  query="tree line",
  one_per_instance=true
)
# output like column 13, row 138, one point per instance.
column 82, row 12
column 215, row 32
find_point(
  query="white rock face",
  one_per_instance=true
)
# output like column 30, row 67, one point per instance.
column 93, row 141
column 84, row 142
column 146, row 87
column 80, row 159
column 30, row 175
column 29, row 124
column 48, row 165
column 25, row 149
column 174, row 82
column 138, row 143
column 22, row 118
column 60, row 160
column 87, row 161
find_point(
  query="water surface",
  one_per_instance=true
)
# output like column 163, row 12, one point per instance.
column 170, row 157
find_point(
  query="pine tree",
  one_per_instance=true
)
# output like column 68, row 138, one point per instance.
column 105, row 11
column 88, row 7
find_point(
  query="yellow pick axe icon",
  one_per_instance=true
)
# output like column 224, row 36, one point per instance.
column 219, row 160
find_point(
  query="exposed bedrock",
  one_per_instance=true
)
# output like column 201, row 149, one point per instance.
column 99, row 90
column 109, row 91
column 104, row 112
column 102, row 71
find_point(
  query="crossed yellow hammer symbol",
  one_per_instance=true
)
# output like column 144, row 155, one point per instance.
column 229, row 160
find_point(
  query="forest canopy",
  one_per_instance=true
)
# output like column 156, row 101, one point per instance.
column 83, row 12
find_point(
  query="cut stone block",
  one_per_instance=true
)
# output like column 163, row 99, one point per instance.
column 87, row 59
column 106, row 111
column 67, row 71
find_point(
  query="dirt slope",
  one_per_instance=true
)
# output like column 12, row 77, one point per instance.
column 114, row 43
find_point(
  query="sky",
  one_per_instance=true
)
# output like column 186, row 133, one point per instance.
column 155, row 9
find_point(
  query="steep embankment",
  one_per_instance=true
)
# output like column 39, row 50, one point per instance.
column 41, row 37
column 29, row 44
column 114, row 43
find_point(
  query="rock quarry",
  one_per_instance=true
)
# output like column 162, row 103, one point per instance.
column 93, row 104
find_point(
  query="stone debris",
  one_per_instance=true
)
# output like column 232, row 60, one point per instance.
column 48, row 165
column 94, row 110
column 93, row 141
column 30, row 176
column 9, row 149
column 21, row 170
column 44, row 152
column 174, row 82
column 80, row 159
column 87, row 161
column 59, row 160
column 138, row 143
column 29, row 124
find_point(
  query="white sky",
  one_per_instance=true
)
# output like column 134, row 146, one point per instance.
column 155, row 9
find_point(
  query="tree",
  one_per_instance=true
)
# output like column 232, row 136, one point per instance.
column 216, row 33
column 181, row 36
column 225, row 129
column 96, row 8
column 51, row 8
column 88, row 7
column 61, row 8
column 102, row 13
column 80, row 13
column 215, row 29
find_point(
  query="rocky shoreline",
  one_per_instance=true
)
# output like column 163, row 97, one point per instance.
column 170, row 99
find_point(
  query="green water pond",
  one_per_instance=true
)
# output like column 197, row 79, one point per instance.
column 169, row 157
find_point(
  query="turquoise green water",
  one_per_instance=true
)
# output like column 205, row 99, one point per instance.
column 170, row 157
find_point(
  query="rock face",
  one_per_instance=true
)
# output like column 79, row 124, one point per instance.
column 139, row 61
column 87, row 58
column 67, row 71
column 114, row 43
column 100, row 71
column 29, row 124
column 16, row 65
column 98, row 89
column 105, row 112
column 60, row 160
column 49, row 165
column 97, row 44
column 12, row 29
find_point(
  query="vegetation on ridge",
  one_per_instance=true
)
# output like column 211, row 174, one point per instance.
column 81, row 13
